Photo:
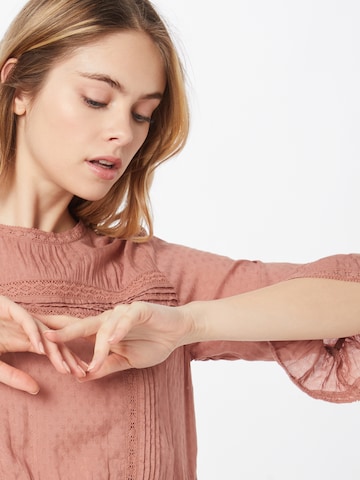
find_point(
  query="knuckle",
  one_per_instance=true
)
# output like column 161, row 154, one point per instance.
column 137, row 307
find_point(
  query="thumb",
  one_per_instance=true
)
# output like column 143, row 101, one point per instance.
column 114, row 363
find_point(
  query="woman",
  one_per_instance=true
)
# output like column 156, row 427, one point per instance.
column 92, row 100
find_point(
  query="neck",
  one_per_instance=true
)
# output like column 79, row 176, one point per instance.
column 34, row 206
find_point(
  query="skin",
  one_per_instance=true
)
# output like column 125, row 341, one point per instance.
column 99, row 120
column 94, row 105
column 75, row 119
column 142, row 334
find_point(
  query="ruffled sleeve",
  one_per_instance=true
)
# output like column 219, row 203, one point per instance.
column 326, row 369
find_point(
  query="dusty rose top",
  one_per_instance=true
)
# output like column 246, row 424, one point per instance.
column 138, row 424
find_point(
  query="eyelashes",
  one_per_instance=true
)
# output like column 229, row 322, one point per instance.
column 101, row 105
column 142, row 119
column 93, row 103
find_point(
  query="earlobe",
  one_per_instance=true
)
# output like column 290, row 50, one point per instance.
column 19, row 106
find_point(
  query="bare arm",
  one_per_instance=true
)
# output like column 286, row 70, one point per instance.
column 141, row 335
column 298, row 309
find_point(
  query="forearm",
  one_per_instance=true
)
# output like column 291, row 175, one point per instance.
column 297, row 309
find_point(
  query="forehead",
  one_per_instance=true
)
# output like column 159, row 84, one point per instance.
column 130, row 57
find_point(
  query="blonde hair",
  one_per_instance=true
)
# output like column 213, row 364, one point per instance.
column 47, row 30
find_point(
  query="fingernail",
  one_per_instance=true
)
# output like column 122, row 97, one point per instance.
column 66, row 366
column 81, row 380
column 35, row 393
column 41, row 348
column 83, row 373
column 91, row 366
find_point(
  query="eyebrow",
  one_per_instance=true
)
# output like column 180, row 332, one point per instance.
column 101, row 77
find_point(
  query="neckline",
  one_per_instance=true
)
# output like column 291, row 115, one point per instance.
column 34, row 234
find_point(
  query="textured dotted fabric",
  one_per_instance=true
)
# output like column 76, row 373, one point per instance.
column 137, row 424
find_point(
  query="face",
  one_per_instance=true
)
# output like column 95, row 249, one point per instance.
column 91, row 116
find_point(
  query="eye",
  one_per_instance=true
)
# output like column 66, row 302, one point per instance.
column 93, row 103
column 141, row 118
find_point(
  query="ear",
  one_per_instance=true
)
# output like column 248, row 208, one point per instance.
column 6, row 69
column 20, row 102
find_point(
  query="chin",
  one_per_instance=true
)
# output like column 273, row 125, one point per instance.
column 91, row 197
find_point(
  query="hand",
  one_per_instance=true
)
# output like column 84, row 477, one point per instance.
column 139, row 335
column 20, row 332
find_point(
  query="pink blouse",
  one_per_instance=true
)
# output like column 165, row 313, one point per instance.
column 137, row 424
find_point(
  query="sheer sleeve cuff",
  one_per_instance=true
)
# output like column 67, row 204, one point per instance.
column 325, row 369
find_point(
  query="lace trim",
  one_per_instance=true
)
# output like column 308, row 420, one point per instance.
column 34, row 234
column 64, row 297
column 59, row 296
column 132, row 429
column 339, row 267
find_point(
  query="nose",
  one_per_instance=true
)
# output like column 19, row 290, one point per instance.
column 120, row 129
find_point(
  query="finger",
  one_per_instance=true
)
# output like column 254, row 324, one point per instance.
column 77, row 367
column 55, row 356
column 114, row 363
column 80, row 329
column 102, row 344
column 26, row 321
column 121, row 329
column 57, row 321
column 54, row 353
column 126, row 317
column 113, row 330
column 17, row 379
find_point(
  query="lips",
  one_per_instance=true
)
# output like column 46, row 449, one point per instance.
column 105, row 167
column 103, row 163
column 106, row 162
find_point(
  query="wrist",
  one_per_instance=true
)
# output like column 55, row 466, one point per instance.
column 195, row 326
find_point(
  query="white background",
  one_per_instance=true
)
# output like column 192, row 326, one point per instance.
column 271, row 172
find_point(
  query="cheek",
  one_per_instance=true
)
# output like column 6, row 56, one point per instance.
column 61, row 118
column 140, row 138
column 66, row 120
